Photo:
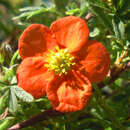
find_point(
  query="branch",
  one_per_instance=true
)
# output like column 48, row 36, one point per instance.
column 35, row 119
column 115, row 73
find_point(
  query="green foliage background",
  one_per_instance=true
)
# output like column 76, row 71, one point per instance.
column 109, row 107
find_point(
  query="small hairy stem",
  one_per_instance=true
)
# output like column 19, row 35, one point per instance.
column 35, row 119
column 88, row 16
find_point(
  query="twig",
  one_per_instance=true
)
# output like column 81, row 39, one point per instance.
column 35, row 119
column 115, row 73
column 5, row 114
column 117, row 69
column 88, row 16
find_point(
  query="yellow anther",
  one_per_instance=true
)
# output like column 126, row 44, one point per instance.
column 60, row 61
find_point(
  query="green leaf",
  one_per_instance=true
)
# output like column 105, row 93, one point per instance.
column 37, row 12
column 1, row 58
column 12, row 101
column 122, row 29
column 72, row 11
column 3, row 101
column 127, row 45
column 95, row 32
column 31, row 12
column 119, row 81
column 3, row 90
column 29, row 9
column 119, row 28
column 4, row 69
column 3, row 84
column 23, row 15
column 5, row 54
column 21, row 94
column 6, row 123
column 15, row 58
column 115, row 3
column 108, row 128
column 9, row 73
column 13, row 81
column 124, row 5
column 101, row 15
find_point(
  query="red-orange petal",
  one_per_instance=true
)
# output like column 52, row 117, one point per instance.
column 35, row 40
column 96, row 62
column 71, row 32
column 70, row 93
column 33, row 76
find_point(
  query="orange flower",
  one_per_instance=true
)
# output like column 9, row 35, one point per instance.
column 61, row 62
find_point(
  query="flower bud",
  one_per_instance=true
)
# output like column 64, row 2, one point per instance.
column 5, row 54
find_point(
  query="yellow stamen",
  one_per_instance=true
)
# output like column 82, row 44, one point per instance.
column 60, row 61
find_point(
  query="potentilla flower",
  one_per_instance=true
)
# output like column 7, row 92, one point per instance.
column 61, row 62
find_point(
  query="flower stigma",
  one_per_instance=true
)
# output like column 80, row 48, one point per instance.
column 60, row 61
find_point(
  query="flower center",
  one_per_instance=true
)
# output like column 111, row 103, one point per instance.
column 60, row 61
